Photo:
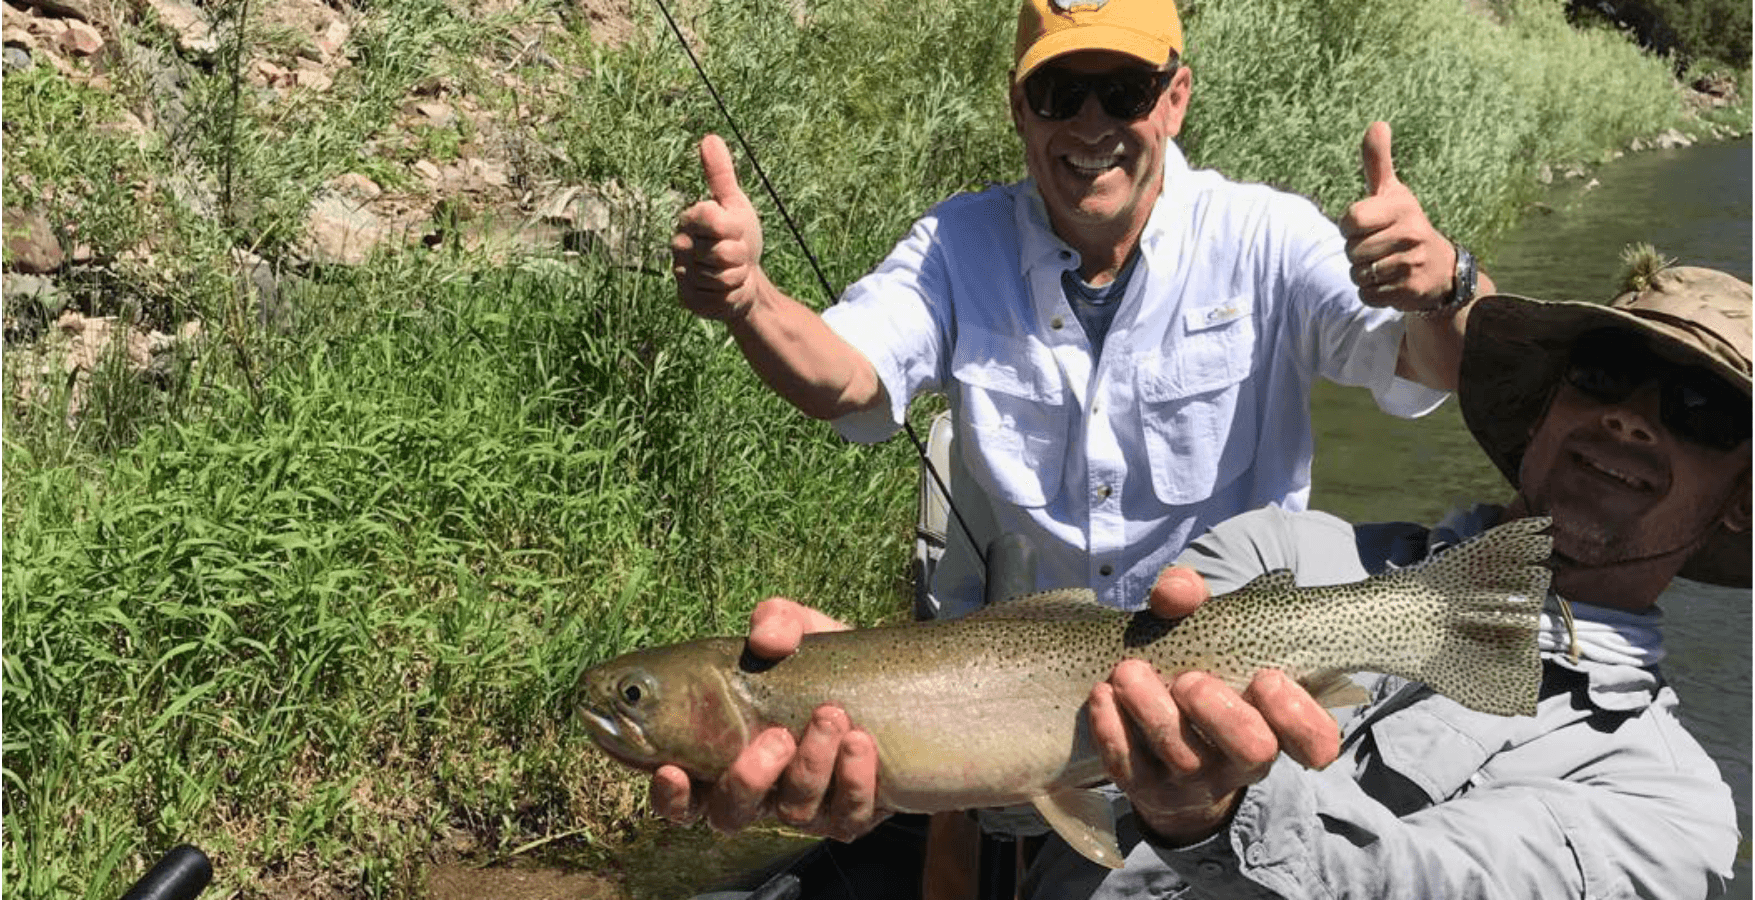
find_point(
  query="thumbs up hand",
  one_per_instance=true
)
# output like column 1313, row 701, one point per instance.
column 1398, row 258
column 716, row 252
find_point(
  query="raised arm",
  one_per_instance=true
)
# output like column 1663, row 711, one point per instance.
column 716, row 256
column 1400, row 260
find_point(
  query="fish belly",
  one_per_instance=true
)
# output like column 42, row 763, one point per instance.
column 1020, row 738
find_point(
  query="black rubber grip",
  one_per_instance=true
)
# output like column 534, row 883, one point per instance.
column 179, row 875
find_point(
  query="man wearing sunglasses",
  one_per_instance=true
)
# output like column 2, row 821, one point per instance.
column 1627, row 424
column 1127, row 344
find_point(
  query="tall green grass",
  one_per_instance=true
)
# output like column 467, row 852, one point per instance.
column 284, row 628
column 318, row 607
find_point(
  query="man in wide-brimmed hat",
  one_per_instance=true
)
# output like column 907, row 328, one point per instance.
column 1627, row 424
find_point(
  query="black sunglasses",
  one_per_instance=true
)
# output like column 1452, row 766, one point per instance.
column 1696, row 405
column 1126, row 94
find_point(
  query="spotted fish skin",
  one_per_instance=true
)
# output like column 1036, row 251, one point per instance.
column 988, row 710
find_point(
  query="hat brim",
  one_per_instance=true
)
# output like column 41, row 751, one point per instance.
column 1515, row 351
column 1113, row 38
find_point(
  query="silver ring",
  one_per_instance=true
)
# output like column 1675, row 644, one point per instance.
column 1373, row 271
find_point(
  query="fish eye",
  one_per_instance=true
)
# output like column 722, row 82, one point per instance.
column 636, row 689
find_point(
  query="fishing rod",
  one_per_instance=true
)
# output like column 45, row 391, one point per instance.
column 823, row 280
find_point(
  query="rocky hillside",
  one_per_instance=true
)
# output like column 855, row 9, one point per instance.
column 436, row 142
column 170, row 164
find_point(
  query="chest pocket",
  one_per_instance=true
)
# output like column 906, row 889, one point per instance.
column 1425, row 754
column 1012, row 416
column 1197, row 414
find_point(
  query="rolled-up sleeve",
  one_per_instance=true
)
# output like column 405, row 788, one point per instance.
column 1351, row 343
column 893, row 317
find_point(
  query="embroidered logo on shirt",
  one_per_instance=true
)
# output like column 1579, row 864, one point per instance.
column 1214, row 316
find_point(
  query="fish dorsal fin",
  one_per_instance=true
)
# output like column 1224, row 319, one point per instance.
column 1066, row 604
column 1085, row 820
column 1335, row 689
column 1277, row 580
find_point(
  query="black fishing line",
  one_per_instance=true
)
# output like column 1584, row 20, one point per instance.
column 798, row 236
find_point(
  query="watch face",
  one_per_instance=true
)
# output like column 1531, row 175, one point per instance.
column 1464, row 290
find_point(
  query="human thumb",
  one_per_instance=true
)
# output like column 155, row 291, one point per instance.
column 1178, row 592
column 720, row 173
column 1375, row 161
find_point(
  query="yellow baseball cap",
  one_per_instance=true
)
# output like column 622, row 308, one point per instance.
column 1148, row 30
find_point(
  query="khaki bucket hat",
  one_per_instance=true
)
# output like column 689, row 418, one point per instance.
column 1516, row 350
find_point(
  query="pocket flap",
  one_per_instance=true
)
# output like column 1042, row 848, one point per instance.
column 1216, row 349
column 1009, row 365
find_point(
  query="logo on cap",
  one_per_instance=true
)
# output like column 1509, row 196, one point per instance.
column 1071, row 5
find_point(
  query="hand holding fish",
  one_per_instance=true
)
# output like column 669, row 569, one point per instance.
column 716, row 252
column 1183, row 752
column 776, row 774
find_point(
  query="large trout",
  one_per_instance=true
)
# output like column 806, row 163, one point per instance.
column 988, row 710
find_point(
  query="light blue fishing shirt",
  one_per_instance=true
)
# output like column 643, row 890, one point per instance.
column 1600, row 794
column 1196, row 410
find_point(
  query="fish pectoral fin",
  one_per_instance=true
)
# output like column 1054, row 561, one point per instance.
column 1085, row 820
column 1335, row 689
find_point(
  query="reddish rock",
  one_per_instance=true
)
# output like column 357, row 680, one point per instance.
column 338, row 232
column 31, row 245
column 80, row 39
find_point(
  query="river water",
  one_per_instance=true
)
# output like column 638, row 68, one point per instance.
column 1692, row 204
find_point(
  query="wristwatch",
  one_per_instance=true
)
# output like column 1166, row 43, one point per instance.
column 1462, row 290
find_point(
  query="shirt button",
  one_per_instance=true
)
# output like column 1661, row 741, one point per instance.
column 1105, row 570
column 1055, row 323
column 1255, row 855
column 1103, row 492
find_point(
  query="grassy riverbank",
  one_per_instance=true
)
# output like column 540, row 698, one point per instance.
column 313, row 597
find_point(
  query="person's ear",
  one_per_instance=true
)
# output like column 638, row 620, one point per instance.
column 1017, row 104
column 1737, row 513
column 1175, row 103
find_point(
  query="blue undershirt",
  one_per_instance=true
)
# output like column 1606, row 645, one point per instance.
column 1095, row 306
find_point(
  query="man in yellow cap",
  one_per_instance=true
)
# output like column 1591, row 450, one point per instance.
column 1127, row 344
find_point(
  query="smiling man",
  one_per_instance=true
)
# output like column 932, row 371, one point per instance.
column 1628, row 424
column 1127, row 345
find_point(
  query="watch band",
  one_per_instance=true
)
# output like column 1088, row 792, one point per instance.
column 1462, row 290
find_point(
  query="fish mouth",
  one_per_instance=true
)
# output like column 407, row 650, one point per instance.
column 627, row 747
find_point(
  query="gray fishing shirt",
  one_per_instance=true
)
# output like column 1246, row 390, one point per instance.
column 1601, row 794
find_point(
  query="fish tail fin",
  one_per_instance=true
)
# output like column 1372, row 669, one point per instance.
column 1492, row 589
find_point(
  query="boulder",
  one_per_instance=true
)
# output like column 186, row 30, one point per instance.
column 341, row 232
column 31, row 244
column 187, row 24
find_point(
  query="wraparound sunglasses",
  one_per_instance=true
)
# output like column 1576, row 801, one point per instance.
column 1055, row 94
column 1695, row 404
